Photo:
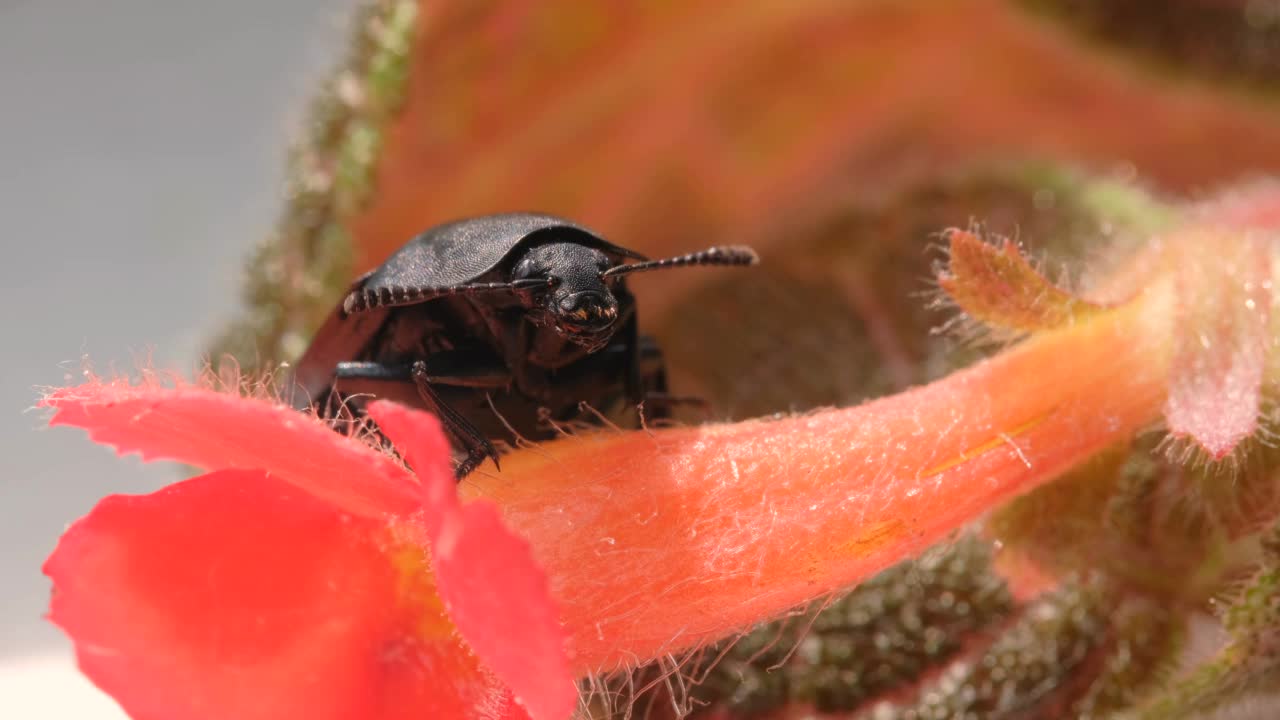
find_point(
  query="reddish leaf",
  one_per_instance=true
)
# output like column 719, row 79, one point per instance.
column 215, row 430
column 996, row 285
column 495, row 591
column 235, row 595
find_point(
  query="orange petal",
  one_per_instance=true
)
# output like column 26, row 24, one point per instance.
column 659, row 541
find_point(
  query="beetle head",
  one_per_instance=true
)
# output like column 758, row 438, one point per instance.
column 573, row 296
column 567, row 285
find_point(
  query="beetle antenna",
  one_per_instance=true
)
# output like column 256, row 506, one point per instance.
column 718, row 255
column 388, row 297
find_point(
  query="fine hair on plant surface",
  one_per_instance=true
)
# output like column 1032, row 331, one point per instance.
column 990, row 433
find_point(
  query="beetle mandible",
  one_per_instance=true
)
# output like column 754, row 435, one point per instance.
column 497, row 324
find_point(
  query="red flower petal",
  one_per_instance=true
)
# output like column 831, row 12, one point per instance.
column 496, row 594
column 235, row 595
column 214, row 430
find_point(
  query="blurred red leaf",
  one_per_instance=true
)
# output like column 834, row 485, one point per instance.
column 662, row 125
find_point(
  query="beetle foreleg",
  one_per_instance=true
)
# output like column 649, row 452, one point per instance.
column 665, row 401
column 649, row 365
column 477, row 446
column 467, row 368
column 634, row 347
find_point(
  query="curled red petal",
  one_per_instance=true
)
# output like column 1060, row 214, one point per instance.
column 236, row 595
column 497, row 595
column 216, row 430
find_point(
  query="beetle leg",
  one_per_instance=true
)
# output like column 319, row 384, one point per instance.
column 457, row 368
column 476, row 444
column 467, row 368
column 644, row 372
column 666, row 401
column 650, row 373
column 475, row 456
column 517, row 343
column 310, row 380
column 635, row 347
column 363, row 299
column 650, row 366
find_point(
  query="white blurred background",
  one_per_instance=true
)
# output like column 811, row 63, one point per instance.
column 141, row 156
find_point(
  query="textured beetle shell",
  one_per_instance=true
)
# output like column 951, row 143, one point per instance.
column 460, row 252
column 447, row 255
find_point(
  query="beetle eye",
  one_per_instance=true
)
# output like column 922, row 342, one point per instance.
column 535, row 289
column 524, row 270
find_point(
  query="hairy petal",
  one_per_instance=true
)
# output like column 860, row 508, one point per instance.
column 237, row 595
column 496, row 594
column 216, row 430
column 1221, row 338
column 663, row 540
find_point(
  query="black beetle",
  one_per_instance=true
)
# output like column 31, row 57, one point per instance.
column 498, row 324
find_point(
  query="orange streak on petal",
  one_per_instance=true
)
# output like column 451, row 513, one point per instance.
column 1002, row 438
